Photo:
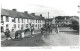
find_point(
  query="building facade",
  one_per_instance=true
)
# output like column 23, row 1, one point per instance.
column 48, row 21
column 65, row 20
column 17, row 20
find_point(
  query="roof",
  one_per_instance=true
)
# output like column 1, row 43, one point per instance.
column 68, row 18
column 10, row 13
column 62, row 17
column 38, row 17
column 16, row 14
column 4, row 12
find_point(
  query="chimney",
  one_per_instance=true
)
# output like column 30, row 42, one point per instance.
column 41, row 15
column 26, row 12
column 32, row 13
column 14, row 9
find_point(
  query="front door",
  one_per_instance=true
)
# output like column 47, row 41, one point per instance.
column 2, row 29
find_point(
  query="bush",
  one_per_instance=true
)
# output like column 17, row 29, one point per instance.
column 75, row 25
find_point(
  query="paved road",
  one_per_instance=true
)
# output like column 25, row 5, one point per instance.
column 68, row 38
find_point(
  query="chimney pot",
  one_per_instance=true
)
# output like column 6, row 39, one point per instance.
column 41, row 15
column 26, row 12
column 14, row 9
column 32, row 13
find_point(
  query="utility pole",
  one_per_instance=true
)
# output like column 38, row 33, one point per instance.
column 48, row 17
column 79, row 12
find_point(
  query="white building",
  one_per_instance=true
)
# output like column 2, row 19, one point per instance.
column 18, row 20
column 65, row 20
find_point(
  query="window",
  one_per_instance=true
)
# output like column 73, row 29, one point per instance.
column 7, row 25
column 1, row 18
column 22, row 26
column 26, row 25
column 18, row 20
column 36, row 21
column 40, row 25
column 7, row 19
column 22, row 20
column 40, row 21
column 13, row 20
column 14, row 25
column 36, row 25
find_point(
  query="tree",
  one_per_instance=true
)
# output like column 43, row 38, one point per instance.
column 75, row 25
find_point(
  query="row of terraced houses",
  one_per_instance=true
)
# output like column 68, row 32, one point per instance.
column 17, row 20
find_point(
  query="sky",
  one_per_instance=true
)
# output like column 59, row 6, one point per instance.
column 54, row 7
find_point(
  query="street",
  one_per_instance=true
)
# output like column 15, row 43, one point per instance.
column 64, row 38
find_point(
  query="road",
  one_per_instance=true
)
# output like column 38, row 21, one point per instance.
column 63, row 38
column 36, row 40
column 12, row 34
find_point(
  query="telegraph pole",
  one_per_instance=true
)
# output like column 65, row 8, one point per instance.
column 48, row 17
column 79, row 13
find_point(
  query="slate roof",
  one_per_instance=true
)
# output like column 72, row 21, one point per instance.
column 16, row 14
column 4, row 12
column 10, row 13
column 28, row 16
column 62, row 17
column 38, row 17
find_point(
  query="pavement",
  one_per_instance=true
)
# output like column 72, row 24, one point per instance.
column 63, row 38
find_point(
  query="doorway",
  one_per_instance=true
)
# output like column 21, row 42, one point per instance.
column 2, row 29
